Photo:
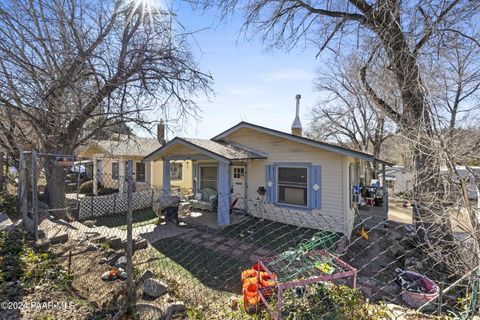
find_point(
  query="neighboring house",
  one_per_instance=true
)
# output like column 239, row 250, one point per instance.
column 398, row 179
column 109, row 158
column 279, row 176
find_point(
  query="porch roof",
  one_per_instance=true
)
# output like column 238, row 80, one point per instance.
column 214, row 149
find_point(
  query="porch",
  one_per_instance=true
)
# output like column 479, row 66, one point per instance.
column 218, row 178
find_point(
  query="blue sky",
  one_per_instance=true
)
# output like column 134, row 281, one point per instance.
column 251, row 83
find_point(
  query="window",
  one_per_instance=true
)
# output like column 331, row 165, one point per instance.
column 115, row 170
column 208, row 177
column 390, row 183
column 292, row 185
column 238, row 173
column 176, row 169
column 140, row 172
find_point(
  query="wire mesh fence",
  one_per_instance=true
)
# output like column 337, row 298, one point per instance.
column 197, row 254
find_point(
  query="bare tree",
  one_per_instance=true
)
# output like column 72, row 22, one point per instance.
column 347, row 116
column 398, row 35
column 69, row 69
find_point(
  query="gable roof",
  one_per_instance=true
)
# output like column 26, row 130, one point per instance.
column 126, row 145
column 311, row 142
column 215, row 149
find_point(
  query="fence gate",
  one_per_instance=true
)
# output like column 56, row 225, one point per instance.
column 48, row 185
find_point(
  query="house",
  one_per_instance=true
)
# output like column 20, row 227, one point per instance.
column 280, row 176
column 398, row 179
column 108, row 160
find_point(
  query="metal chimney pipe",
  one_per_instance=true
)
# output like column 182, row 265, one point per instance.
column 297, row 125
column 298, row 97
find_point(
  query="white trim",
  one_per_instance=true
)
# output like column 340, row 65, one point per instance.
column 200, row 174
column 278, row 181
column 154, row 155
column 303, row 140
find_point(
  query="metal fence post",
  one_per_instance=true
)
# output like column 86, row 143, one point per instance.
column 34, row 195
column 131, row 290
column 21, row 184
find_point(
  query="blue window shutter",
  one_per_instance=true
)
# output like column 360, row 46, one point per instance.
column 316, row 188
column 270, row 183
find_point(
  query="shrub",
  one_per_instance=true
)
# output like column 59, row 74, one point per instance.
column 328, row 301
column 86, row 187
column 8, row 203
column 104, row 191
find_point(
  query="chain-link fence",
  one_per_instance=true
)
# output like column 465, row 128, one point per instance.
column 126, row 246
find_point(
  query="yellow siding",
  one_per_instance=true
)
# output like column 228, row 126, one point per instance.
column 187, row 175
column 333, row 214
column 106, row 170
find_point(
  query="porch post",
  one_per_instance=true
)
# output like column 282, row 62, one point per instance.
column 385, row 191
column 95, row 177
column 121, row 174
column 166, row 175
column 223, row 190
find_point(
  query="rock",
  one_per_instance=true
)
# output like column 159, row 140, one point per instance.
column 154, row 288
column 115, row 243
column 42, row 244
column 5, row 222
column 11, row 283
column 147, row 274
column 103, row 260
column 112, row 259
column 140, row 244
column 59, row 238
column 99, row 239
column 177, row 307
column 233, row 303
column 123, row 275
column 121, row 262
column 90, row 223
column 91, row 247
column 149, row 311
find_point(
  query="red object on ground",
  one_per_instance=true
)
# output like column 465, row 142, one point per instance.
column 249, row 273
column 251, row 299
column 370, row 201
column 253, row 280
column 257, row 267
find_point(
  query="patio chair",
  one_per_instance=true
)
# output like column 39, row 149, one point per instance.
column 205, row 199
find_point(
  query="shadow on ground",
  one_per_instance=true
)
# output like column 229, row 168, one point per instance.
column 213, row 269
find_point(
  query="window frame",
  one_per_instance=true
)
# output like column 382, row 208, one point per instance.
column 390, row 183
column 200, row 175
column 117, row 175
column 307, row 187
column 144, row 172
column 173, row 163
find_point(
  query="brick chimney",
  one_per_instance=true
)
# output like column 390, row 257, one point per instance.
column 161, row 132
column 297, row 125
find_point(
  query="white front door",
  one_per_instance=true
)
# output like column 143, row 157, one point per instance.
column 238, row 186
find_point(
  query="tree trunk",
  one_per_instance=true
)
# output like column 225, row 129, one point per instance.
column 415, row 122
